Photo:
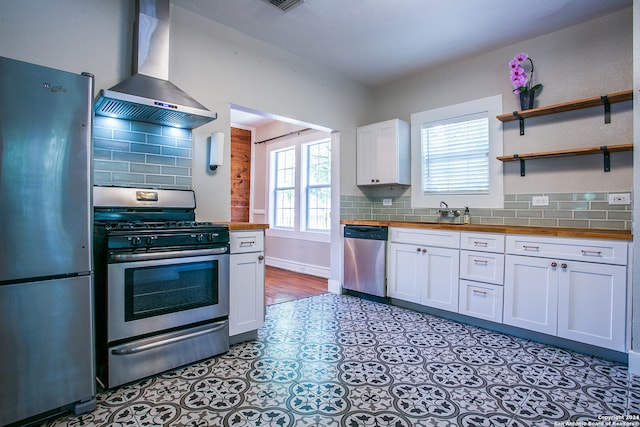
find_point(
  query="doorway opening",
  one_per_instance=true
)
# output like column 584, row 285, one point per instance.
column 281, row 173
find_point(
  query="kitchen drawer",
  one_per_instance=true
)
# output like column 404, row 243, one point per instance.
column 425, row 237
column 590, row 250
column 482, row 266
column 486, row 242
column 481, row 300
column 246, row 241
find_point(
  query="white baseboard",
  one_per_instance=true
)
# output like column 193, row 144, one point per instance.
column 634, row 363
column 314, row 270
column 335, row 287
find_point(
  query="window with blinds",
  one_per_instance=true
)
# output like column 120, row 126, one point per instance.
column 455, row 155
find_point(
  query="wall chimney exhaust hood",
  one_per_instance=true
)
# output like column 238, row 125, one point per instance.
column 148, row 95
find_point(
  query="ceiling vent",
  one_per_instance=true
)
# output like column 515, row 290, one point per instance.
column 285, row 4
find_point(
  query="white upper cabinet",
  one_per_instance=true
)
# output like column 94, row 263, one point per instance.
column 383, row 153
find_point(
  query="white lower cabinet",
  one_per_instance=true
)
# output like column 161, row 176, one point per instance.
column 577, row 300
column 440, row 288
column 573, row 288
column 246, row 281
column 591, row 301
column 481, row 275
column 482, row 267
column 424, row 274
column 406, row 271
column 530, row 294
column 481, row 300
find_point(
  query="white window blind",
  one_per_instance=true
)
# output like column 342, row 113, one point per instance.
column 455, row 155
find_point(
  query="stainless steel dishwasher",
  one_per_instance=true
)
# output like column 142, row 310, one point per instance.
column 365, row 259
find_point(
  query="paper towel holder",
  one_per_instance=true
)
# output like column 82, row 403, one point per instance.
column 216, row 150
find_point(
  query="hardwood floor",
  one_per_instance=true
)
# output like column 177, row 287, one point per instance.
column 284, row 285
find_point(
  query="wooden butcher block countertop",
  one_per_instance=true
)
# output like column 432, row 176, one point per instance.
column 244, row 225
column 592, row 233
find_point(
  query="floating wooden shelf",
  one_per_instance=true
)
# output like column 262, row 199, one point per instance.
column 595, row 101
column 605, row 150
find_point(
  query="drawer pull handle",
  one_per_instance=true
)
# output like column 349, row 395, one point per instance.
column 247, row 243
column 587, row 252
column 536, row 248
column 476, row 292
column 481, row 261
column 481, row 243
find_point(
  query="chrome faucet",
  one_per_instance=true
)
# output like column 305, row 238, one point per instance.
column 444, row 211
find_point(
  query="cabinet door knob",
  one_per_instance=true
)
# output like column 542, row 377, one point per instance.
column 554, row 264
column 417, row 249
column 424, row 250
column 260, row 257
column 563, row 265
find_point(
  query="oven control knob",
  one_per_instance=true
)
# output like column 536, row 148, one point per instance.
column 135, row 241
column 199, row 237
column 149, row 240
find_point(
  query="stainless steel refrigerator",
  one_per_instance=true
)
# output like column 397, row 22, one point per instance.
column 46, row 292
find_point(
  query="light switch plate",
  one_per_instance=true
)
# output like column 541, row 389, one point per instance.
column 620, row 199
column 387, row 202
column 540, row 201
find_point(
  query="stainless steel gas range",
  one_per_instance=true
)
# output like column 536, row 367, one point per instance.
column 162, row 283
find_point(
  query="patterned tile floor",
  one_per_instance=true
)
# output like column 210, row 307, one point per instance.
column 335, row 360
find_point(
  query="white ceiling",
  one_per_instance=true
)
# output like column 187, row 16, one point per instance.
column 375, row 42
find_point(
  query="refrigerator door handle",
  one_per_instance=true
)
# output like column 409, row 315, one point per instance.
column 123, row 351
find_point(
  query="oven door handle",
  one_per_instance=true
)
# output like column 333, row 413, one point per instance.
column 155, row 344
column 169, row 254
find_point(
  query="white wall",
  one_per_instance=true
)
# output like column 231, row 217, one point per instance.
column 220, row 67
column 591, row 59
column 71, row 35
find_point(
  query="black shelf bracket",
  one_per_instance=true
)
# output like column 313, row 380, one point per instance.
column 521, row 120
column 607, row 158
column 522, row 169
column 607, row 109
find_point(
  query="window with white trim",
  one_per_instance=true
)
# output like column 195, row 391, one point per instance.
column 284, row 188
column 318, row 186
column 454, row 152
column 300, row 186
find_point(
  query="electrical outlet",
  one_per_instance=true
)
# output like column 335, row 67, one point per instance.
column 387, row 202
column 620, row 199
column 540, row 201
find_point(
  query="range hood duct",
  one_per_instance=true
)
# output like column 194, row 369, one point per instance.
column 148, row 95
